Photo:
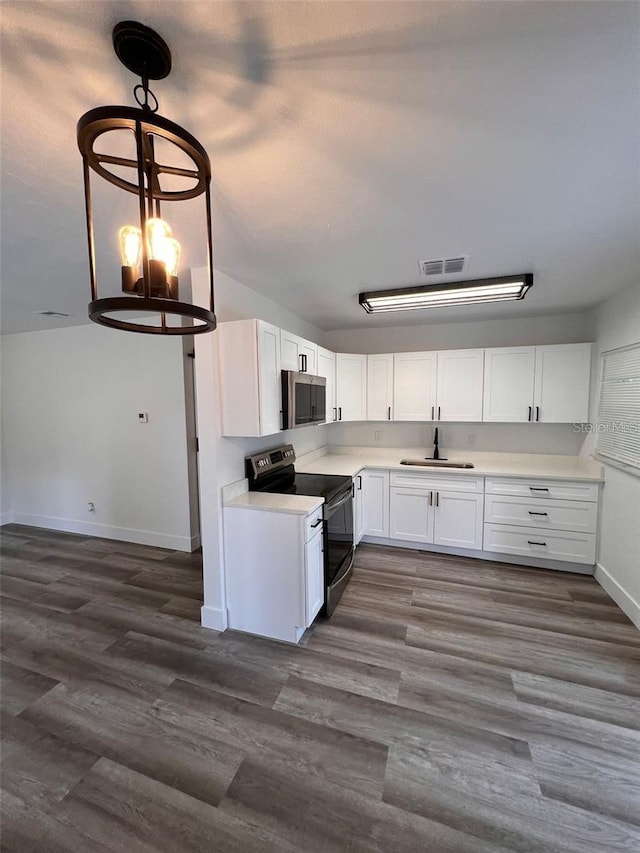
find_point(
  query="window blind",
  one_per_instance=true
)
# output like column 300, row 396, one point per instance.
column 618, row 423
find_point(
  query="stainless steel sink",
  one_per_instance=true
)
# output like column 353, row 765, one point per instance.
column 435, row 463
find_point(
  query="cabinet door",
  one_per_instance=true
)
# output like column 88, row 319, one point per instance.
column 508, row 384
column 562, row 381
column 357, row 509
column 459, row 385
column 379, row 387
column 458, row 520
column 327, row 368
column 351, row 387
column 298, row 354
column 270, row 385
column 314, row 576
column 375, row 503
column 414, row 386
column 411, row 514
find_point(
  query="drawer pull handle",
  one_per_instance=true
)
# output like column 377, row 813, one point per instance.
column 539, row 488
column 317, row 523
column 531, row 512
column 531, row 542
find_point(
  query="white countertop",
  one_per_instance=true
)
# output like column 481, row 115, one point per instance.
column 267, row 502
column 349, row 460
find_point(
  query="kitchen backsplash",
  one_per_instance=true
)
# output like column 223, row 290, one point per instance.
column 507, row 438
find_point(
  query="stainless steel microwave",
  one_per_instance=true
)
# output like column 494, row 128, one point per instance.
column 304, row 399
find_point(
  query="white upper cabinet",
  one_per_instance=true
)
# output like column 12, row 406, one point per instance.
column 414, row 386
column 508, row 384
column 327, row 368
column 351, row 386
column 298, row 354
column 379, row 387
column 250, row 383
column 547, row 384
column 459, row 385
column 562, row 382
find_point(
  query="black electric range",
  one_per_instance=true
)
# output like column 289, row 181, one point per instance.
column 274, row 471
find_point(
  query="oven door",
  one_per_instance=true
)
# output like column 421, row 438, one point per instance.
column 338, row 547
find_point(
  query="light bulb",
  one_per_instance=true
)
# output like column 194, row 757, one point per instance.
column 171, row 256
column 158, row 232
column 130, row 245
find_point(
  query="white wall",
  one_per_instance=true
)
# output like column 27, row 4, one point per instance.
column 221, row 460
column 557, row 329
column 498, row 438
column 618, row 569
column 70, row 400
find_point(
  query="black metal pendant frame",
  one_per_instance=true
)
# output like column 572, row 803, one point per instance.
column 144, row 52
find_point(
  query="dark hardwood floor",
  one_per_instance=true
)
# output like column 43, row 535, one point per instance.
column 448, row 705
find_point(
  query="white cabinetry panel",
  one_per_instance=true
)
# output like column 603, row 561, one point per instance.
column 411, row 514
column 458, row 520
column 298, row 354
column 459, row 385
column 358, row 521
column 314, row 572
column 530, row 542
column 379, row 387
column 327, row 368
column 375, row 503
column 414, row 386
column 508, row 384
column 567, row 490
column 580, row 516
column 562, row 383
column 351, row 386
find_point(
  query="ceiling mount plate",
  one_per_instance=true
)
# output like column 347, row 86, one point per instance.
column 141, row 49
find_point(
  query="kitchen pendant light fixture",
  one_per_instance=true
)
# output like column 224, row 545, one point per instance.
column 444, row 295
column 150, row 253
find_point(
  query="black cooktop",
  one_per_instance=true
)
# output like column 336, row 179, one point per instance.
column 315, row 485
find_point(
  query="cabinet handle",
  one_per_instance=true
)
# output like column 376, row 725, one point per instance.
column 433, row 413
column 530, row 412
column 430, row 498
column 533, row 542
column 335, row 414
column 437, row 498
column 359, row 482
column 318, row 523
column 389, row 413
column 303, row 359
column 339, row 413
column 531, row 512
column 438, row 412
column 539, row 488
column 537, row 413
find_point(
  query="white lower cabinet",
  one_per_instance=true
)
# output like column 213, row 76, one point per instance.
column 314, row 575
column 437, row 510
column 375, row 503
column 274, row 571
column 562, row 545
column 358, row 529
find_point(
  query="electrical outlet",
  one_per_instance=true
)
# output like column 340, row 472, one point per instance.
column 91, row 506
column 143, row 417
column 377, row 435
column 471, row 439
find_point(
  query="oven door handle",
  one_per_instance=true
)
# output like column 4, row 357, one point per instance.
column 333, row 506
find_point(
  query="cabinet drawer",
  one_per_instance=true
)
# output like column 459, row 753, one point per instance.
column 435, row 482
column 566, row 490
column 312, row 524
column 579, row 516
column 535, row 542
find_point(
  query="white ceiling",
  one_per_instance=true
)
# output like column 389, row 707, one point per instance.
column 348, row 140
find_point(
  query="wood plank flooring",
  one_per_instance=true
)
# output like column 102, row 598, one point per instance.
column 449, row 705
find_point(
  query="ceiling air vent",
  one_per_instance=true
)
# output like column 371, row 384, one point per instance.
column 50, row 313
column 444, row 266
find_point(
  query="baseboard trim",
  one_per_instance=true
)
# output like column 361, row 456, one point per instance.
column 625, row 602
column 195, row 542
column 493, row 556
column 105, row 531
column 6, row 518
column 213, row 617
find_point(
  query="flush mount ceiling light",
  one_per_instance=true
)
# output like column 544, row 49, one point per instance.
column 443, row 295
column 150, row 253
